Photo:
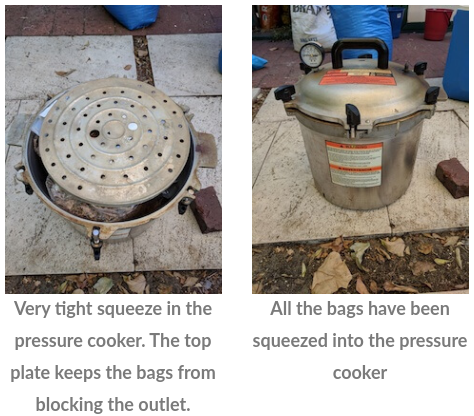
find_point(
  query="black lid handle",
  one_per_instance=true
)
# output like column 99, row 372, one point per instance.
column 285, row 92
column 360, row 43
column 431, row 96
column 353, row 115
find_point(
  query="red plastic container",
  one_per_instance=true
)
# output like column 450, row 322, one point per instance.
column 436, row 23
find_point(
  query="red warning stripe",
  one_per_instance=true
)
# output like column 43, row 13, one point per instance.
column 336, row 77
column 355, row 146
column 374, row 169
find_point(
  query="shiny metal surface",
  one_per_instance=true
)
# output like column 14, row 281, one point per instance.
column 114, row 142
column 400, row 145
column 376, row 103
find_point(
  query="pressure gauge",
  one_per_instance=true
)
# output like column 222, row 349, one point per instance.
column 312, row 54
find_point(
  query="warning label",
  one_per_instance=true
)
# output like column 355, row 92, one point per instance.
column 355, row 166
column 358, row 76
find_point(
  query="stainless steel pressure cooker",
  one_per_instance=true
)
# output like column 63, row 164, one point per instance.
column 361, row 121
column 112, row 155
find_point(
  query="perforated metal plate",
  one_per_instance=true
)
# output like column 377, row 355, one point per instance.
column 114, row 142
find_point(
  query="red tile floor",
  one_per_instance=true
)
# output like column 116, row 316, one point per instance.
column 283, row 63
column 95, row 20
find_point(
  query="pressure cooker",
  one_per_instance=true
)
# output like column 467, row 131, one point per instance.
column 111, row 155
column 361, row 121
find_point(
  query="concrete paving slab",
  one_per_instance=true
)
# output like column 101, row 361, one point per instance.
column 444, row 136
column 22, row 121
column 255, row 92
column 11, row 110
column 287, row 206
column 31, row 63
column 463, row 114
column 37, row 241
column 186, row 64
column 427, row 205
column 451, row 105
column 175, row 242
column 263, row 135
column 272, row 110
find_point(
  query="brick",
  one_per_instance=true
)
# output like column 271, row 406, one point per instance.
column 454, row 177
column 14, row 19
column 39, row 21
column 216, row 11
column 207, row 210
column 68, row 21
column 97, row 21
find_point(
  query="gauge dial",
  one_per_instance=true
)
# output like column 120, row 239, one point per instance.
column 312, row 54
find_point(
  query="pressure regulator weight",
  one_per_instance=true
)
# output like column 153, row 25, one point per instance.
column 312, row 55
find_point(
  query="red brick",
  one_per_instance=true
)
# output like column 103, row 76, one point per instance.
column 97, row 21
column 68, row 21
column 216, row 11
column 14, row 19
column 39, row 21
column 207, row 210
column 454, row 177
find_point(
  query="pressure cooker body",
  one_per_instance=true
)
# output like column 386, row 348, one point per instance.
column 361, row 121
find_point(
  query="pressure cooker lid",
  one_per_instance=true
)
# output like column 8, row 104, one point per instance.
column 114, row 142
column 380, row 90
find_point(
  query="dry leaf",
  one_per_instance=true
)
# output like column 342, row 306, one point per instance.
column 191, row 281
column 63, row 287
column 79, row 279
column 407, row 251
column 373, row 286
column 332, row 275
column 441, row 261
column 358, row 254
column 78, row 292
column 65, row 73
column 396, row 246
column 336, row 245
column 273, row 49
column 257, row 288
column 458, row 257
column 390, row 287
column 85, row 45
column 303, row 269
column 425, row 248
column 347, row 243
column 360, row 287
column 127, row 67
column 318, row 253
column 137, row 284
column 421, row 267
column 165, row 289
column 103, row 285
column 256, row 250
column 451, row 241
column 461, row 286
column 258, row 277
column 382, row 251
column 278, row 249
column 142, row 54
column 290, row 252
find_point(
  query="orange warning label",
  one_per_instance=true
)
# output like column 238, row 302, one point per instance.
column 358, row 76
column 355, row 165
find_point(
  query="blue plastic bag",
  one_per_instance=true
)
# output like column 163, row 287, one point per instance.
column 134, row 17
column 258, row 63
column 362, row 22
